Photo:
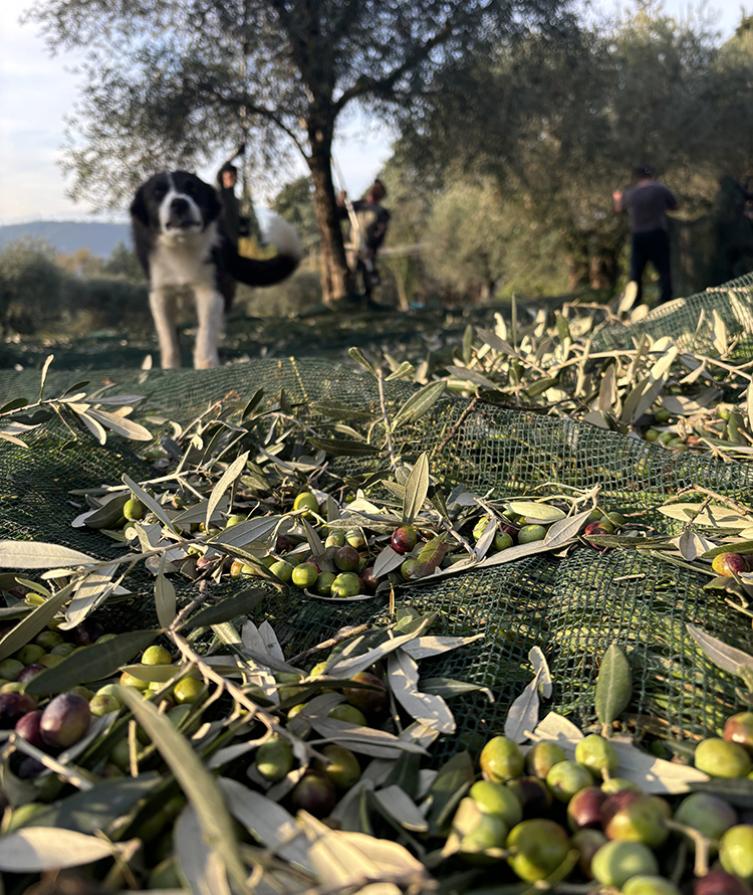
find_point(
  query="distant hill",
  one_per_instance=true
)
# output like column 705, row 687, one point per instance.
column 99, row 238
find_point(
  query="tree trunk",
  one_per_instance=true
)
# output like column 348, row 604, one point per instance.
column 335, row 276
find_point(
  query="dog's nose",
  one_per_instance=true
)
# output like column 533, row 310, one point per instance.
column 179, row 205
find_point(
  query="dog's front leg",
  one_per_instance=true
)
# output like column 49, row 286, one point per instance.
column 167, row 333
column 209, row 308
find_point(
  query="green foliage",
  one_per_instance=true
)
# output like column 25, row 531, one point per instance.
column 559, row 121
column 40, row 290
column 30, row 284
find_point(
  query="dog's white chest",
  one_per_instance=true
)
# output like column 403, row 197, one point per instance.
column 184, row 260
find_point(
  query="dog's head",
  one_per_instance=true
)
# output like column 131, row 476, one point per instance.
column 175, row 203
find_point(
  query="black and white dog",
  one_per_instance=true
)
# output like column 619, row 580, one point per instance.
column 180, row 241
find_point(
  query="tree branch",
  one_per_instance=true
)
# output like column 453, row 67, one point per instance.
column 365, row 84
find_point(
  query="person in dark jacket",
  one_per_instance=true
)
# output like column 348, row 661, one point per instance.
column 227, row 178
column 369, row 221
column 647, row 203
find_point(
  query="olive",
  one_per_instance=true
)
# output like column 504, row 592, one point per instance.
column 729, row 564
column 30, row 653
column 718, row 882
column 567, row 778
column 736, row 851
column 649, row 885
column 14, row 706
column 102, row 704
column 587, row 842
column 503, row 540
column 530, row 533
column 306, row 501
column 346, row 584
column 584, row 808
column 617, row 862
column 542, row 757
column 346, row 559
column 65, row 721
column 739, row 729
column 643, row 820
column 335, row 539
column 495, row 798
column 28, row 727
column 371, row 700
column 156, row 655
column 354, row 537
column 706, row 813
column 350, row 713
column 188, row 690
column 324, row 583
column 281, row 569
column 538, row 847
column 404, row 539
column 597, row 754
column 532, row 794
column 274, row 759
column 341, row 767
column 305, row 574
column 501, row 760
column 314, row 793
column 133, row 509
column 719, row 758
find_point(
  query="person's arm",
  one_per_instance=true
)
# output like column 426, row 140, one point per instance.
column 672, row 203
column 618, row 201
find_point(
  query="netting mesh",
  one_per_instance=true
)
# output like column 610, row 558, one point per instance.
column 572, row 607
column 693, row 322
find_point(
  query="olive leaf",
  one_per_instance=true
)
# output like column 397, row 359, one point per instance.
column 534, row 512
column 712, row 516
column 40, row 555
column 728, row 658
column 416, row 489
column 233, row 607
column 226, row 480
column 387, row 561
column 165, row 600
column 613, row 685
column 450, row 785
column 196, row 782
column 419, row 403
column 269, row 823
column 200, row 865
column 427, row 708
column 523, row 714
column 92, row 663
column 36, row 849
column 99, row 807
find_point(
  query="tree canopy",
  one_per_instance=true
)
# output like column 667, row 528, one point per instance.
column 172, row 81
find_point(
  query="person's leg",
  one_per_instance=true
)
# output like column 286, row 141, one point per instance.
column 662, row 262
column 638, row 261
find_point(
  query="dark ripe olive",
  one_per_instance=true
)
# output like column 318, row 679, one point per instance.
column 739, row 729
column 314, row 793
column 371, row 701
column 584, row 809
column 28, row 727
column 12, row 707
column 404, row 539
column 65, row 720
column 533, row 795
column 718, row 882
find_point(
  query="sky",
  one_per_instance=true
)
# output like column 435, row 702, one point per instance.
column 37, row 91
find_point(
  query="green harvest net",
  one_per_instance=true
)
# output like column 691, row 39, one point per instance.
column 573, row 607
column 694, row 322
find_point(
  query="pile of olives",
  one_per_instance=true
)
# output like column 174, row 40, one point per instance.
column 548, row 817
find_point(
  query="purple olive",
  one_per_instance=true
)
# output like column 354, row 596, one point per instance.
column 28, row 727
column 65, row 721
column 14, row 706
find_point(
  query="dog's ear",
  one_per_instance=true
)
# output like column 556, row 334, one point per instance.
column 138, row 207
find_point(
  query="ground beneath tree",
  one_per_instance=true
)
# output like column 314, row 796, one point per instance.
column 415, row 335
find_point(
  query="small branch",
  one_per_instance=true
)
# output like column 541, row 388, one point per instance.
column 386, row 420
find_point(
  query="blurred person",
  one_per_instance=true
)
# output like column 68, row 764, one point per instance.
column 647, row 203
column 227, row 178
column 369, row 221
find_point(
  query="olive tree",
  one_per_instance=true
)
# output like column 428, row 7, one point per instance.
column 171, row 80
